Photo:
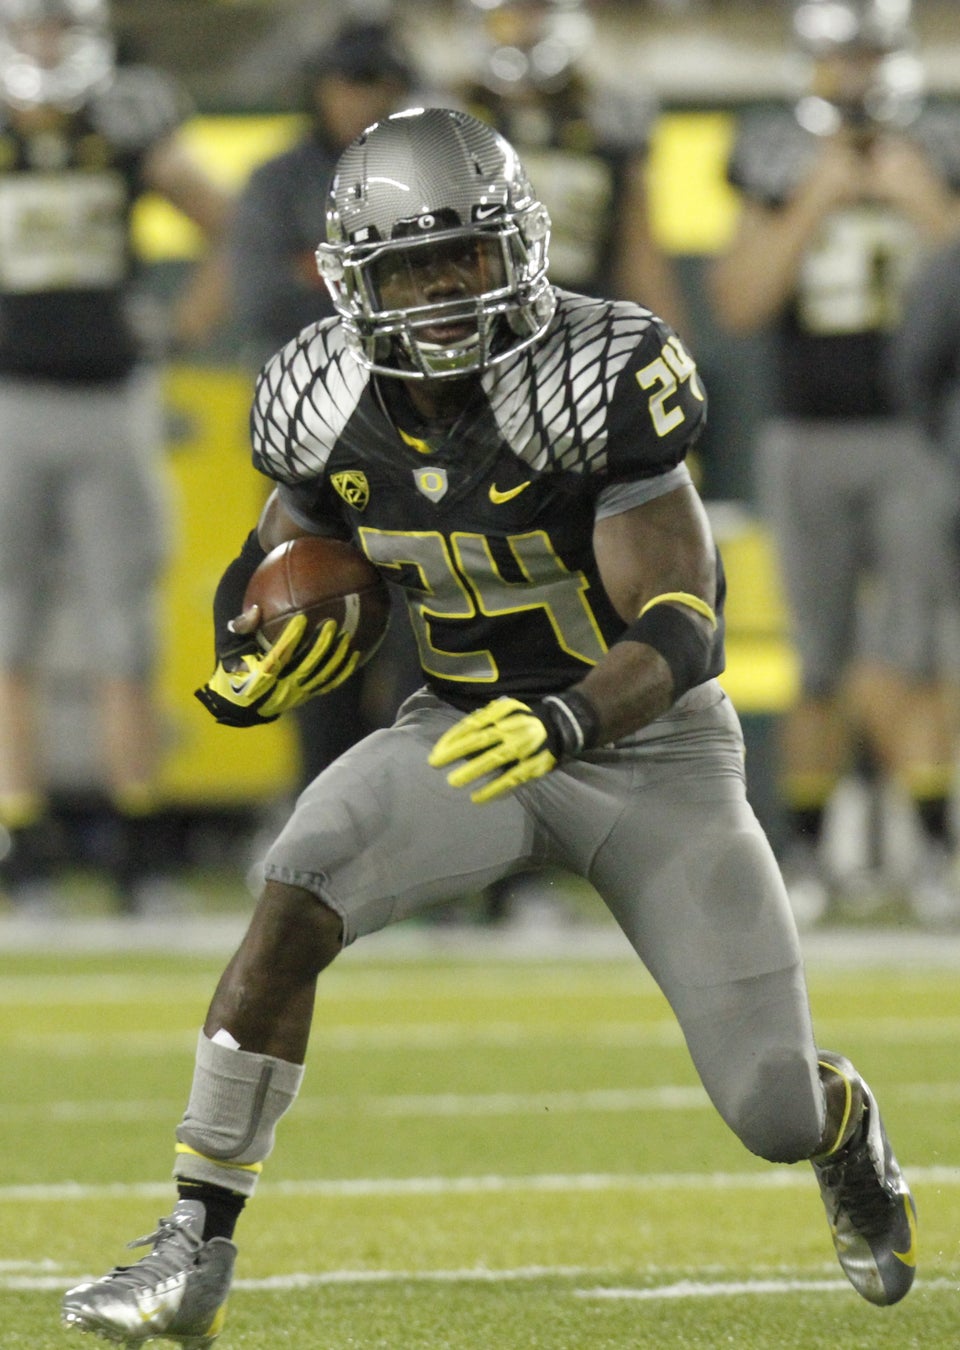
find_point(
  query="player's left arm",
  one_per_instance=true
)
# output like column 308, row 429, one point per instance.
column 658, row 563
column 905, row 177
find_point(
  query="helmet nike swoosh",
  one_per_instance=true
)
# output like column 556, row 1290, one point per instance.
column 496, row 496
column 909, row 1257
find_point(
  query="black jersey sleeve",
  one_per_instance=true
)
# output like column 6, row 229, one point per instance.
column 658, row 408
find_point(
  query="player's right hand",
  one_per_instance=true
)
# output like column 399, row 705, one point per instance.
column 251, row 689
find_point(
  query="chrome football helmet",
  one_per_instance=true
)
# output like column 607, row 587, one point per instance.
column 880, row 33
column 53, row 52
column 436, row 248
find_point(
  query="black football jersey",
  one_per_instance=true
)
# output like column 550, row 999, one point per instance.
column 487, row 523
column 66, row 197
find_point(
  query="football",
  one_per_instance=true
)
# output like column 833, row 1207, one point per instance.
column 323, row 579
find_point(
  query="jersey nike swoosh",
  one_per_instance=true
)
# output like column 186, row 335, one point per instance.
column 496, row 496
column 909, row 1257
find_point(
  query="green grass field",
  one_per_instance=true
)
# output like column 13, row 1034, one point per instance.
column 490, row 1151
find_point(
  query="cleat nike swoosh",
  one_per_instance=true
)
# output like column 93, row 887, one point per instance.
column 497, row 497
column 909, row 1257
column 153, row 1305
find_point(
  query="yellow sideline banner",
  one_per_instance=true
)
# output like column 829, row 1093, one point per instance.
column 762, row 675
column 215, row 500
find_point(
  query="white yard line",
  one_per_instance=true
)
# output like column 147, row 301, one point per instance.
column 777, row 1178
column 428, row 1105
column 682, row 1289
column 433, row 1105
column 738, row 1288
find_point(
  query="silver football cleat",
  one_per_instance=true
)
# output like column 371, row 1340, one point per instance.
column 178, row 1292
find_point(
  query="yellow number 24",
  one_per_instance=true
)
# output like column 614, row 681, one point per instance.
column 664, row 375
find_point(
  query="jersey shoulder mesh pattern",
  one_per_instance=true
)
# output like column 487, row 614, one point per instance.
column 557, row 406
column 305, row 396
column 552, row 403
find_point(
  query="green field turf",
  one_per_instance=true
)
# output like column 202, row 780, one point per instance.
column 490, row 1151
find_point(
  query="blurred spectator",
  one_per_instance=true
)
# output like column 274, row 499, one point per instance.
column 584, row 145
column 841, row 196
column 80, row 409
column 359, row 76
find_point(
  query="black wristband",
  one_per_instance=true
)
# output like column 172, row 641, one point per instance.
column 572, row 722
column 680, row 640
column 228, row 599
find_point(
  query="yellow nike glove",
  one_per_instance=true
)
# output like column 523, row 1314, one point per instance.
column 524, row 741
column 259, row 688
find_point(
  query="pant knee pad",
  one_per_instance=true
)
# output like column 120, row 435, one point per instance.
column 779, row 1118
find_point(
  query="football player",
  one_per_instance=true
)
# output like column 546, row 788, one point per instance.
column 512, row 455
column 81, row 139
column 842, row 195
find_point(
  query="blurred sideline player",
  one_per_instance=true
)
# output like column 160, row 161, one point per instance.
column 841, row 195
column 520, row 450
column 354, row 79
column 80, row 412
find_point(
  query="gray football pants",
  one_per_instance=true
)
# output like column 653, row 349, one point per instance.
column 864, row 515
column 658, row 823
column 82, row 510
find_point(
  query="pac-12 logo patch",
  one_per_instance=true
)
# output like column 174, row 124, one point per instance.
column 352, row 487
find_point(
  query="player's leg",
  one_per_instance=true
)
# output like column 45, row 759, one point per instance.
column 30, row 496
column 806, row 477
column 378, row 836
column 901, row 687
column 381, row 836
column 690, row 876
column 119, row 527
column 246, row 1076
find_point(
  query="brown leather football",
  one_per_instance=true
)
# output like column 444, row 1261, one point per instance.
column 324, row 579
